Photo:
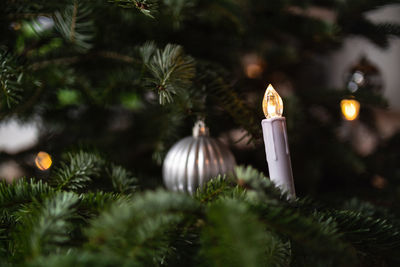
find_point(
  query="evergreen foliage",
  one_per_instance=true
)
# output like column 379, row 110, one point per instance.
column 147, row 7
column 171, row 71
column 77, row 172
column 122, row 179
column 22, row 191
column 75, row 25
column 45, row 229
column 130, row 77
column 233, row 236
column 230, row 222
column 10, row 78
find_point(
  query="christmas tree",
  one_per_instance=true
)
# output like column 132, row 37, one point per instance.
column 114, row 84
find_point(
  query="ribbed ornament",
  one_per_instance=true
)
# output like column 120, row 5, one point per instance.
column 194, row 160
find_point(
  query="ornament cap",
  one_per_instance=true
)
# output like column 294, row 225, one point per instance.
column 200, row 129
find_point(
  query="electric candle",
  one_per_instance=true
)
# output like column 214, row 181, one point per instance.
column 276, row 142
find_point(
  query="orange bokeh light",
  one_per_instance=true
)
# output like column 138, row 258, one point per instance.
column 350, row 109
column 43, row 161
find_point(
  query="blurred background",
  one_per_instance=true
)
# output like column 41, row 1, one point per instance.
column 89, row 91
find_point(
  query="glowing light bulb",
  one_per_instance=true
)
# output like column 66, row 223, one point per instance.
column 272, row 103
column 350, row 109
column 43, row 161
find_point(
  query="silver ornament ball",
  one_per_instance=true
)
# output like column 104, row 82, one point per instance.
column 194, row 160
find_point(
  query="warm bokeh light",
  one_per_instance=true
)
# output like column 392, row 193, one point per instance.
column 43, row 161
column 350, row 108
column 272, row 103
column 254, row 70
column 253, row 65
column 379, row 182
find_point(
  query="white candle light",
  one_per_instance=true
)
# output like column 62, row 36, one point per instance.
column 276, row 142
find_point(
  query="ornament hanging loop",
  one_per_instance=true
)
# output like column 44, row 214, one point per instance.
column 200, row 129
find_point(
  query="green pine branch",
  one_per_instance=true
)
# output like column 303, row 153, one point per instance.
column 280, row 217
column 140, row 229
column 13, row 197
column 22, row 191
column 147, row 7
column 79, row 170
column 233, row 236
column 91, row 204
column 152, row 8
column 224, row 95
column 178, row 10
column 75, row 25
column 308, row 232
column 122, row 180
column 264, row 188
column 80, row 258
column 217, row 188
column 242, row 220
column 171, row 71
column 370, row 235
column 45, row 228
column 10, row 78
column 17, row 9
column 170, row 119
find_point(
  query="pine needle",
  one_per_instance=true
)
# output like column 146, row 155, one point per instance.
column 171, row 70
column 75, row 25
column 139, row 228
column 10, row 78
column 77, row 171
column 43, row 229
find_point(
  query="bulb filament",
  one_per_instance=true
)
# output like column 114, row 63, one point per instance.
column 272, row 103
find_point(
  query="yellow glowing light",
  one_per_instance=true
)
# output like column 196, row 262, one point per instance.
column 272, row 103
column 43, row 161
column 350, row 108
